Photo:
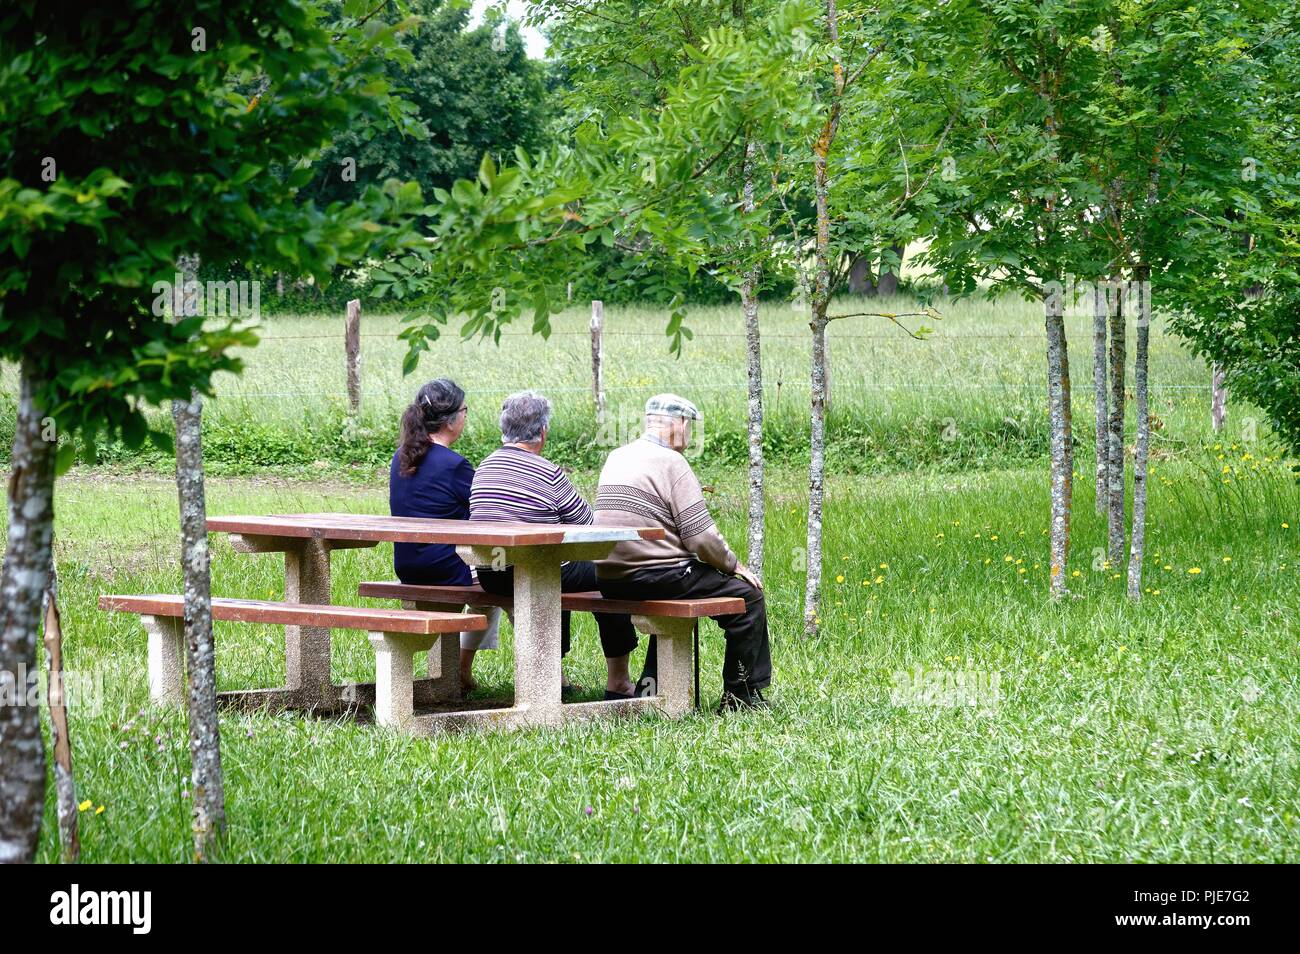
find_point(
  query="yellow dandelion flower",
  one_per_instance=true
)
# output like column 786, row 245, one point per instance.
column 84, row 805
column 1227, row 559
column 1076, row 573
column 1194, row 570
column 839, row 578
column 99, row 810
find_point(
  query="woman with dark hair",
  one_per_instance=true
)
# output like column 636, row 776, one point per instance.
column 429, row 479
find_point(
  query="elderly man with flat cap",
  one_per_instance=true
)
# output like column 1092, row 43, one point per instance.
column 650, row 483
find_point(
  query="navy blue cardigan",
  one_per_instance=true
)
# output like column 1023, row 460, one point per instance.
column 439, row 488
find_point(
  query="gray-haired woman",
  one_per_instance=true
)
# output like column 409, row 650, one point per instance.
column 516, row 483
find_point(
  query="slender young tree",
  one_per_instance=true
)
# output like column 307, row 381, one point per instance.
column 207, row 798
column 1115, row 427
column 1142, row 450
column 65, row 783
column 1101, row 404
column 1017, row 206
column 645, row 49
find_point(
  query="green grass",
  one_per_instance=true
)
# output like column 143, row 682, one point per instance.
column 1162, row 731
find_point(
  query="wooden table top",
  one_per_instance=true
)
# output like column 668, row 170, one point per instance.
column 378, row 528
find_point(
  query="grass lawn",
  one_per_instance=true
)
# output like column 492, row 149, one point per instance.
column 1106, row 731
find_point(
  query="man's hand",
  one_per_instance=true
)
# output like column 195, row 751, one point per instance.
column 746, row 574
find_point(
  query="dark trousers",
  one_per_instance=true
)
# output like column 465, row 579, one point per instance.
column 617, row 637
column 748, row 662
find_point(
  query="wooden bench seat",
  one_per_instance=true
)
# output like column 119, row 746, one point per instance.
column 587, row 602
column 396, row 635
column 671, row 622
column 301, row 614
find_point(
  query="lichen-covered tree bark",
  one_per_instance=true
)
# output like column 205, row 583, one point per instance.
column 207, row 795
column 1057, row 396
column 1100, row 315
column 754, row 359
column 1067, row 412
column 65, row 786
column 821, row 294
column 1140, row 362
column 22, row 583
column 207, row 804
column 1115, row 431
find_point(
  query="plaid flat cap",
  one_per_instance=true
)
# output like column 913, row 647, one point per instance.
column 670, row 405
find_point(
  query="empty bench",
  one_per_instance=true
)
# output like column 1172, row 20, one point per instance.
column 672, row 621
column 396, row 635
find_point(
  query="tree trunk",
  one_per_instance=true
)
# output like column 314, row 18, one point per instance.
column 1057, row 395
column 1115, row 437
column 816, row 476
column 821, row 296
column 860, row 277
column 887, row 284
column 754, row 359
column 1100, row 314
column 1067, row 411
column 22, row 582
column 207, row 795
column 1218, row 399
column 65, row 785
column 1138, row 542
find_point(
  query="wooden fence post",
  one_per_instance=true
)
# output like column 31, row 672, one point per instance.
column 598, row 356
column 352, row 344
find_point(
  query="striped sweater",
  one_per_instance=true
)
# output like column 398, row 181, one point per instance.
column 647, row 484
column 512, row 484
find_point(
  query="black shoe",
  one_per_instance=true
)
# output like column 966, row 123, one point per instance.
column 732, row 702
column 611, row 695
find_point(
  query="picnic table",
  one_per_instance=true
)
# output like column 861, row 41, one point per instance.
column 535, row 550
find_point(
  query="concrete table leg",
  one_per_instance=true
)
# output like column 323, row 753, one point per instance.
column 307, row 648
column 675, row 686
column 166, row 659
column 536, row 618
column 537, row 630
column 394, row 680
column 444, row 656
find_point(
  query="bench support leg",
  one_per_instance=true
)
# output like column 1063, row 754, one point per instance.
column 675, row 685
column 394, row 683
column 444, row 657
column 166, row 659
column 307, row 648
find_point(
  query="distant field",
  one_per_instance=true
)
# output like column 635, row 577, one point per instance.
column 971, row 395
